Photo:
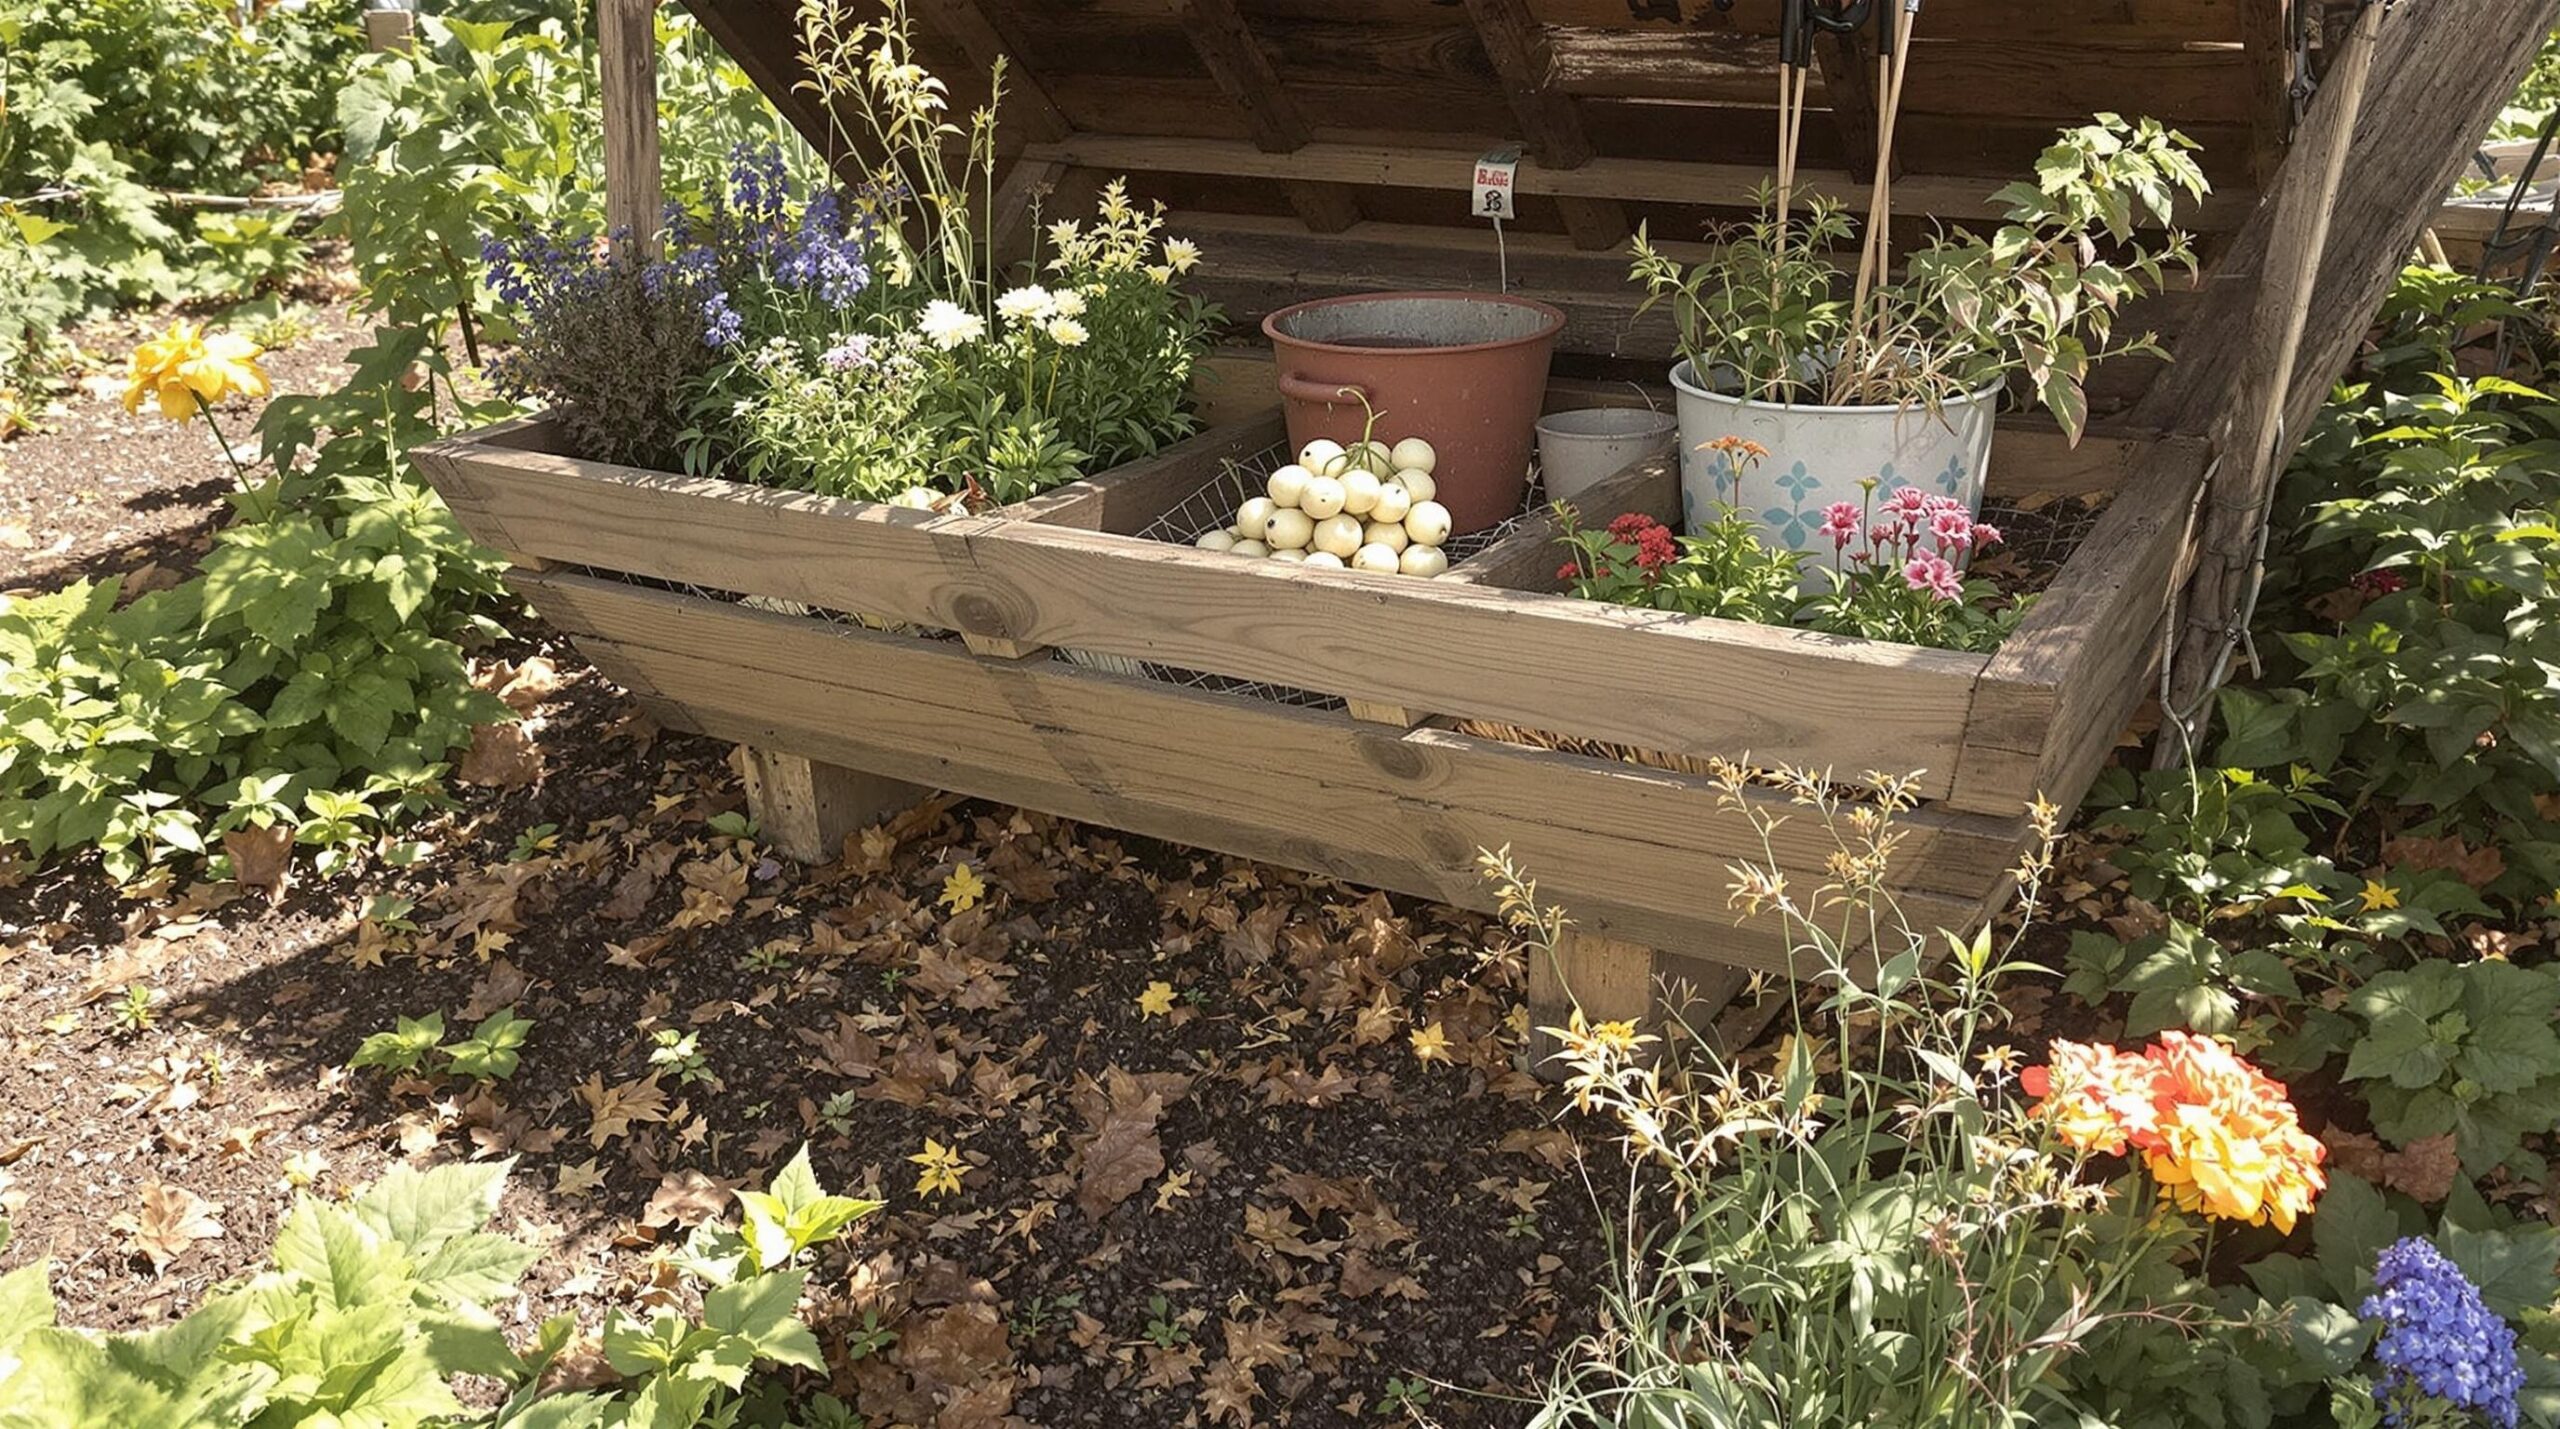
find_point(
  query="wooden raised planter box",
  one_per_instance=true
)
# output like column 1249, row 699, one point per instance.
column 726, row 609
column 645, row 570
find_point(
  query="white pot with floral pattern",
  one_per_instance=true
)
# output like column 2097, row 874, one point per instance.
column 1819, row 455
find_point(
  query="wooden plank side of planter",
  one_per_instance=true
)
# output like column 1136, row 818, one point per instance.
column 1600, row 672
column 515, row 494
column 1649, row 679
column 1636, row 853
column 2055, row 696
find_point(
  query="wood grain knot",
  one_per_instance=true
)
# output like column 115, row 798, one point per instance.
column 976, row 613
column 1393, row 757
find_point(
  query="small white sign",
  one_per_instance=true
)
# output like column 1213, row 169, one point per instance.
column 1497, row 175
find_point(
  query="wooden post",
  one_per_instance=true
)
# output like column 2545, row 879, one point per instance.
column 804, row 809
column 627, row 49
column 1610, row 980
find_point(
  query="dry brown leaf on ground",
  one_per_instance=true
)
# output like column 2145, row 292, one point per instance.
column 501, row 756
column 261, row 858
column 687, row 1198
column 2478, row 867
column 614, row 1108
column 529, row 684
column 1124, row 1153
column 166, row 1222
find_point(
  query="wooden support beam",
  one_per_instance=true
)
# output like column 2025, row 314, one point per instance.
column 1027, row 102
column 2440, row 76
column 627, row 50
column 1549, row 121
column 1227, row 48
column 804, row 809
column 2285, row 309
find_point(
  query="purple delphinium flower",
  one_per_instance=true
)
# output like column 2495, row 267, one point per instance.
column 2439, row 1339
column 825, row 253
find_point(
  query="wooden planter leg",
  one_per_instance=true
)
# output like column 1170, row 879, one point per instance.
column 804, row 809
column 1612, row 981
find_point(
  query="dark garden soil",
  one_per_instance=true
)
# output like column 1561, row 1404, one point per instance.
column 1236, row 1146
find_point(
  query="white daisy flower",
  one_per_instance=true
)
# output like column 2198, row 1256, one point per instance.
column 948, row 325
column 1067, row 332
column 1026, row 304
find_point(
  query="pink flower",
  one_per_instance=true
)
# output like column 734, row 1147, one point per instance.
column 1840, row 523
column 1953, row 526
column 1909, row 499
column 1987, row 535
column 1885, row 534
column 1934, row 575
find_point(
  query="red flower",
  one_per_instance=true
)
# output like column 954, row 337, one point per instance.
column 1569, row 571
column 1655, row 550
column 2380, row 583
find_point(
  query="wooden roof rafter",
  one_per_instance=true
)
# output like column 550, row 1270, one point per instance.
column 1226, row 46
column 1549, row 119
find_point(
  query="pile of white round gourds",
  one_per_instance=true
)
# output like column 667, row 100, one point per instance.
column 1366, row 507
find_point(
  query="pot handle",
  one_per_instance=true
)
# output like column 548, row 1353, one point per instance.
column 1298, row 387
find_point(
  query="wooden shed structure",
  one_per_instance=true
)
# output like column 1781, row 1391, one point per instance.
column 1314, row 147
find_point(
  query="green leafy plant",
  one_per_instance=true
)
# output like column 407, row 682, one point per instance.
column 489, row 1054
column 2465, row 1049
column 2036, row 299
column 372, row 1308
column 404, row 1048
column 680, row 1053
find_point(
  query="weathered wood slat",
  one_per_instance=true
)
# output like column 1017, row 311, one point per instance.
column 1408, row 812
column 1649, row 180
column 1026, row 108
column 2055, row 696
column 2058, row 83
column 627, row 53
column 2441, row 73
column 2126, row 22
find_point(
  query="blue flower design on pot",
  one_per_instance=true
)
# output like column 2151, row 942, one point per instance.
column 1951, row 481
column 1793, row 524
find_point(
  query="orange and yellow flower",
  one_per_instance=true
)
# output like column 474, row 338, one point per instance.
column 2218, row 1135
column 186, row 371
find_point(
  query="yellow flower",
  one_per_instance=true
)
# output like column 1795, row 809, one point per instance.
column 942, row 1171
column 1431, row 1044
column 1181, row 254
column 2379, row 895
column 962, row 890
column 187, row 371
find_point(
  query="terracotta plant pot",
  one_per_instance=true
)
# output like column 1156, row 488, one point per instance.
column 1466, row 372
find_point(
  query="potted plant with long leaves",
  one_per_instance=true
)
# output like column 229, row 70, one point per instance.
column 1850, row 375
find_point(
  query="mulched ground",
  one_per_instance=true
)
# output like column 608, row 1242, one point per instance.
column 1237, row 1146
